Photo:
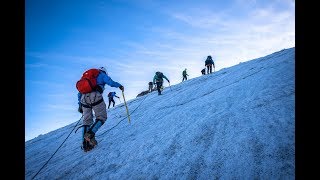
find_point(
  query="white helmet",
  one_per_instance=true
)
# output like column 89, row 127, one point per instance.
column 103, row 69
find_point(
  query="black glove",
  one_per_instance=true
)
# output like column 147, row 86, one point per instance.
column 168, row 81
column 80, row 109
column 122, row 88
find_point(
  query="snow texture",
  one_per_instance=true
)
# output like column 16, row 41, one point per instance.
column 236, row 123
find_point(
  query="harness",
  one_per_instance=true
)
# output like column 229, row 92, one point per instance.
column 93, row 104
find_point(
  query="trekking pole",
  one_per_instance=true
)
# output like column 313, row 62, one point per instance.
column 170, row 87
column 124, row 100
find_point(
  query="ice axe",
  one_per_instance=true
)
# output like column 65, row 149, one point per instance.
column 125, row 103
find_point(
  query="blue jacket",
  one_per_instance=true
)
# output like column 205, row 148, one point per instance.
column 102, row 80
column 112, row 94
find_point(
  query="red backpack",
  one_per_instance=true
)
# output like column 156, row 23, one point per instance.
column 88, row 81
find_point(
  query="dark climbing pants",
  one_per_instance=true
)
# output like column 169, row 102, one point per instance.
column 209, row 68
column 184, row 77
column 111, row 100
column 159, row 85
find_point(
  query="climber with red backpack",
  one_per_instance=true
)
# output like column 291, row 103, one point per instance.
column 90, row 87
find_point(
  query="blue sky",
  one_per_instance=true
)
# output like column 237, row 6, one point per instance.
column 239, row 125
column 133, row 40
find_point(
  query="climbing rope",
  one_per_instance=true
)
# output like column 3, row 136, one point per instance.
column 81, row 126
column 57, row 149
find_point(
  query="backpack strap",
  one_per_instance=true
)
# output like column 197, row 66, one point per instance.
column 91, row 85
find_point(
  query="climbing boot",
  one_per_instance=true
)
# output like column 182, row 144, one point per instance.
column 86, row 146
column 90, row 137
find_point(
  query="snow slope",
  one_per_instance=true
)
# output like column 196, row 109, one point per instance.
column 236, row 123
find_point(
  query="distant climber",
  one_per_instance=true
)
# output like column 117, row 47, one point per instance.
column 150, row 86
column 184, row 74
column 110, row 96
column 203, row 71
column 158, row 79
column 209, row 64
